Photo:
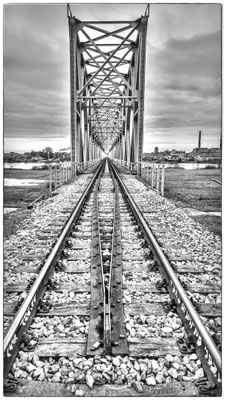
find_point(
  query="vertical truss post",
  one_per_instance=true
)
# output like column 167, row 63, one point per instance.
column 107, row 79
column 142, row 45
column 73, row 127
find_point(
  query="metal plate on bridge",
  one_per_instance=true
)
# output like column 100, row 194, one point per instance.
column 50, row 389
column 95, row 331
column 153, row 347
column 119, row 339
column 60, row 348
column 144, row 309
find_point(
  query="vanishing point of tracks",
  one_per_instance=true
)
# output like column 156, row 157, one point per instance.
column 107, row 313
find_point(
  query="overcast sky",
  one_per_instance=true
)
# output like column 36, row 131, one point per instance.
column 183, row 73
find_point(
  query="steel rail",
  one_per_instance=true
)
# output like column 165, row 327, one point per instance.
column 108, row 333
column 29, row 305
column 178, row 288
column 101, row 268
column 107, row 313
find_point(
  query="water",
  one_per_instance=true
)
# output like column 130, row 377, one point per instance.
column 7, row 210
column 23, row 165
column 167, row 165
column 191, row 165
column 23, row 182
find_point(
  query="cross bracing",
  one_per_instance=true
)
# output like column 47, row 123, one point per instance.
column 107, row 79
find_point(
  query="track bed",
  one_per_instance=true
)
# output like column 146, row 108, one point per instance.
column 108, row 319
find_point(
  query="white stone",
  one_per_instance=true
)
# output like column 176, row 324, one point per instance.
column 188, row 378
column 39, row 363
column 38, row 371
column 30, row 367
column 143, row 318
column 77, row 324
column 167, row 329
column 193, row 356
column 88, row 363
column 176, row 365
column 169, row 358
column 56, row 377
column 179, row 322
column 89, row 381
column 199, row 373
column 190, row 368
column 18, row 373
column 155, row 365
column 175, row 326
column 132, row 332
column 41, row 377
column 54, row 368
column 186, row 359
column 79, row 393
column 138, row 386
column 151, row 381
column 159, row 377
column 60, row 328
column 172, row 372
column 218, row 320
column 213, row 369
column 137, row 366
column 77, row 361
column 73, row 388
column 143, row 367
column 116, row 361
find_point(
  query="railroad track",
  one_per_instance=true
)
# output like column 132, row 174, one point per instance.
column 110, row 310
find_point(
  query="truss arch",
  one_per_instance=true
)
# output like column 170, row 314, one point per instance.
column 107, row 84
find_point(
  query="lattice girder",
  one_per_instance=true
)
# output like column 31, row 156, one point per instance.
column 107, row 74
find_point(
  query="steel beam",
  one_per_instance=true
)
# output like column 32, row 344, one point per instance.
column 107, row 87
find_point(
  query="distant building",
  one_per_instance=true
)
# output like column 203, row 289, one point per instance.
column 198, row 154
column 38, row 158
column 205, row 154
column 148, row 156
column 13, row 157
column 176, row 155
column 199, row 139
column 156, row 150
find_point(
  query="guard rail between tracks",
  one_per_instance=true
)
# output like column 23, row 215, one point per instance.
column 153, row 174
column 60, row 173
column 202, row 336
column 28, row 308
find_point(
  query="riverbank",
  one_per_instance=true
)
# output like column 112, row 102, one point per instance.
column 195, row 190
column 20, row 196
column 189, row 189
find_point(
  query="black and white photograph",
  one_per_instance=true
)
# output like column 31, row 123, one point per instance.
column 112, row 199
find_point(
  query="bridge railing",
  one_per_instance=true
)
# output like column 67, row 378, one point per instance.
column 61, row 173
column 153, row 174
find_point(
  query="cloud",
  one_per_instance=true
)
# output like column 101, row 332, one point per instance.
column 36, row 81
column 183, row 82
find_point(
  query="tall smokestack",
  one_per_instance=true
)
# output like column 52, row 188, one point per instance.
column 199, row 139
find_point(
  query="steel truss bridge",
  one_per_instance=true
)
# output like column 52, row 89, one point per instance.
column 107, row 84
